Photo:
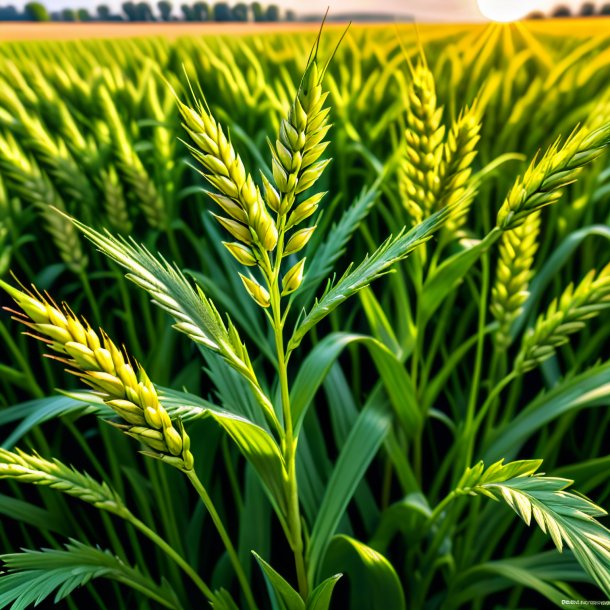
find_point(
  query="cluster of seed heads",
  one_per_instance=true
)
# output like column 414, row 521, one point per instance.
column 101, row 365
column 296, row 166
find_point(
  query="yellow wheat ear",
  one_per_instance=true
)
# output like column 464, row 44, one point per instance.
column 108, row 371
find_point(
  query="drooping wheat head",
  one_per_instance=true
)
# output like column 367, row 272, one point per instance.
column 96, row 360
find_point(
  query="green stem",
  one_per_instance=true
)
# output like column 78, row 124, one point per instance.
column 290, row 447
column 90, row 296
column 207, row 501
column 170, row 551
column 469, row 429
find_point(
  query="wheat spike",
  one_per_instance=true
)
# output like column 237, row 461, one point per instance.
column 114, row 200
column 102, row 366
column 459, row 152
column 514, row 271
column 544, row 181
column 131, row 166
column 240, row 198
column 300, row 142
column 33, row 185
column 418, row 178
column 34, row 469
column 564, row 317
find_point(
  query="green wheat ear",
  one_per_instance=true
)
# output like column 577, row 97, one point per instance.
column 518, row 248
column 96, row 360
column 564, row 317
column 419, row 175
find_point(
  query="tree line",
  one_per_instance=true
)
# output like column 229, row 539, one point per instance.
column 144, row 11
column 587, row 9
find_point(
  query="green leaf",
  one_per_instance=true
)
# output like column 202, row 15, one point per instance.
column 374, row 266
column 568, row 518
column 443, row 280
column 395, row 378
column 261, row 450
column 359, row 449
column 32, row 576
column 289, row 598
column 541, row 573
column 319, row 598
column 589, row 389
column 374, row 583
column 35, row 412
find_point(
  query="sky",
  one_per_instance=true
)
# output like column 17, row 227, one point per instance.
column 436, row 10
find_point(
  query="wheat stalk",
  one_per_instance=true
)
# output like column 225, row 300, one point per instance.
column 97, row 361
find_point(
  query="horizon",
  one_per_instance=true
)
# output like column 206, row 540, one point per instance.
column 425, row 10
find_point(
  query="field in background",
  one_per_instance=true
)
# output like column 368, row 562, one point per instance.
column 64, row 31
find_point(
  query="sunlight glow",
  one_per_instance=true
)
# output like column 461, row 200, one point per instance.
column 506, row 10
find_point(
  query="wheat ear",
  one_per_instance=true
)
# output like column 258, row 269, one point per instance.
column 102, row 366
column 418, row 177
column 564, row 317
column 32, row 184
column 543, row 182
column 34, row 469
column 514, row 271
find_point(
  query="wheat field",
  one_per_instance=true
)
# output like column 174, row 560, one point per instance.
column 204, row 420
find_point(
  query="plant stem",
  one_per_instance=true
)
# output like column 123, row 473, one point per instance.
column 171, row 552
column 90, row 297
column 239, row 571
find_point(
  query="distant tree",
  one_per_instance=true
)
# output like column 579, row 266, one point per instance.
column 68, row 14
column 241, row 12
column 10, row 13
column 272, row 13
column 605, row 9
column 258, row 13
column 562, row 11
column 587, row 9
column 165, row 10
column 201, row 11
column 290, row 15
column 103, row 12
column 536, row 15
column 130, row 10
column 222, row 12
column 83, row 14
column 144, row 12
column 188, row 12
column 36, row 12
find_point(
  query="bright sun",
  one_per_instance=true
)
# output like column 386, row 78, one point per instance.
column 505, row 10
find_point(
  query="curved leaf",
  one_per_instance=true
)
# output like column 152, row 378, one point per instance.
column 360, row 448
column 373, row 581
